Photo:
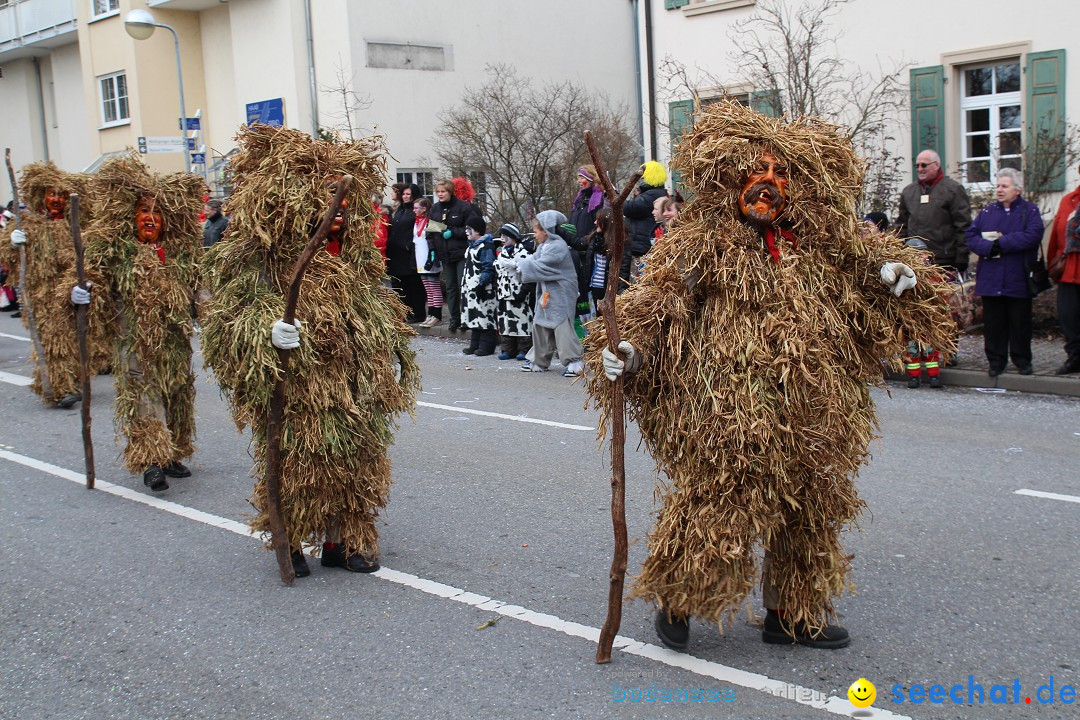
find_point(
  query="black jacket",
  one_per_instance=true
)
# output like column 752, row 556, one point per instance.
column 215, row 228
column 400, row 249
column 640, row 224
column 453, row 215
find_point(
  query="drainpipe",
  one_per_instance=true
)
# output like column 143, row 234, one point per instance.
column 637, row 85
column 41, row 110
column 649, row 79
column 311, row 70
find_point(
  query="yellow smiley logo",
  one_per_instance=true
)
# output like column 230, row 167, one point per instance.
column 862, row 693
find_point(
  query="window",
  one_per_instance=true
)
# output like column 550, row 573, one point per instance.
column 990, row 128
column 478, row 178
column 104, row 7
column 406, row 56
column 424, row 178
column 114, row 99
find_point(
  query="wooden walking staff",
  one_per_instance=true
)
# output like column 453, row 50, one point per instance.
column 615, row 246
column 278, row 537
column 24, row 297
column 84, row 351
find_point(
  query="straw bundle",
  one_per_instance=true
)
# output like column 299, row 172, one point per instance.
column 155, row 395
column 354, row 369
column 752, row 396
column 50, row 259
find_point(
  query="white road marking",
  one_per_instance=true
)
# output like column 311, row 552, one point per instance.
column 1048, row 495
column 14, row 379
column 517, row 418
column 15, row 337
column 705, row 668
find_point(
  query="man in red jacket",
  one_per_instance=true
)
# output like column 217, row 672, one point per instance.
column 1065, row 238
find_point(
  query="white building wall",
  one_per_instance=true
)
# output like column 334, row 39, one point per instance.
column 69, row 136
column 20, row 128
column 590, row 43
column 223, row 113
column 873, row 34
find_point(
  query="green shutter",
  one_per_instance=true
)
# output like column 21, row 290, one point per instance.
column 673, row 4
column 928, row 112
column 680, row 119
column 1045, row 111
column 762, row 102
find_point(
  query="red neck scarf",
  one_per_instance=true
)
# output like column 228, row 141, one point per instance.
column 421, row 223
column 770, row 241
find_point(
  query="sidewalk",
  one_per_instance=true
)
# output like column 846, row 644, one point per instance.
column 970, row 369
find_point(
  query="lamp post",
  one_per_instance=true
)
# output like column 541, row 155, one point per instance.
column 140, row 25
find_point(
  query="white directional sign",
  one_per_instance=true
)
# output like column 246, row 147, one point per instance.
column 162, row 144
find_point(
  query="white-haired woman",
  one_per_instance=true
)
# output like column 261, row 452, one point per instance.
column 1006, row 236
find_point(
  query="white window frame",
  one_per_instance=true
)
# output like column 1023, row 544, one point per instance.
column 409, row 175
column 102, row 100
column 993, row 103
column 113, row 8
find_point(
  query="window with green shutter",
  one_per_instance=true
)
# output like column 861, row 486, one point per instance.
column 762, row 102
column 680, row 119
column 928, row 111
column 675, row 4
column 1045, row 113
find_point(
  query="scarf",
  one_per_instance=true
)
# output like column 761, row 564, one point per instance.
column 1072, row 234
column 770, row 241
column 595, row 197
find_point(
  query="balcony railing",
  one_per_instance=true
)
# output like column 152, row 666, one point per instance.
column 26, row 22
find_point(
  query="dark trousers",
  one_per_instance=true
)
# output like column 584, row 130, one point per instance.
column 1068, row 307
column 1007, row 331
column 515, row 345
column 410, row 289
column 482, row 340
column 451, row 275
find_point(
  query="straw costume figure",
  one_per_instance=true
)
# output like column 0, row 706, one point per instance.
column 50, row 267
column 749, row 343
column 143, row 241
column 351, row 367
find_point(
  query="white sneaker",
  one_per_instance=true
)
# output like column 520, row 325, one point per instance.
column 429, row 321
column 574, row 369
column 529, row 366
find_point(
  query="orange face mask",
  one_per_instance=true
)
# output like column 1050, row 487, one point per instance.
column 55, row 203
column 764, row 194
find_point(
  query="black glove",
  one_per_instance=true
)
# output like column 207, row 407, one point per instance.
column 961, row 268
column 995, row 251
column 430, row 260
column 484, row 292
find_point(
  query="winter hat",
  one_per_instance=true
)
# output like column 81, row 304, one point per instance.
column 214, row 204
column 654, row 174
column 549, row 220
column 464, row 189
column 880, row 219
column 588, row 172
column 510, row 230
column 476, row 223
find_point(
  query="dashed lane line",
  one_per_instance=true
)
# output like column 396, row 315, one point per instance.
column 705, row 668
column 15, row 337
column 1048, row 495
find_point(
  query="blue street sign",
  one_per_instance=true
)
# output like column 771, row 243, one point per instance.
column 267, row 112
column 194, row 124
column 198, row 158
column 191, row 143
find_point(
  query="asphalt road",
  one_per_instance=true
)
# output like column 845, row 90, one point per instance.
column 115, row 608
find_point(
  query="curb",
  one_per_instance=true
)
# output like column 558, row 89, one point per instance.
column 1047, row 385
column 950, row 377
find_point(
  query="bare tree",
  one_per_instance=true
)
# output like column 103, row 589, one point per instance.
column 527, row 138
column 350, row 104
column 787, row 54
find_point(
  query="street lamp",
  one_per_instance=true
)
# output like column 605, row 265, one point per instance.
column 140, row 25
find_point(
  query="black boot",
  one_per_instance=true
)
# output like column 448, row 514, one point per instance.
column 69, row 400
column 777, row 632
column 913, row 382
column 154, row 478
column 1072, row 365
column 338, row 557
column 299, row 564
column 675, row 633
column 177, row 470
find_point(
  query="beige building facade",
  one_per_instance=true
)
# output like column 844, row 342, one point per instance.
column 76, row 87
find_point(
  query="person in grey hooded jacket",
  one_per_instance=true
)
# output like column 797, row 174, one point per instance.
column 552, row 269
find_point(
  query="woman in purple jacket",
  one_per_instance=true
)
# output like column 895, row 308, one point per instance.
column 1006, row 237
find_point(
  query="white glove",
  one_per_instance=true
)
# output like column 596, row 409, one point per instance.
column 285, row 336
column 614, row 367
column 80, row 296
column 18, row 237
column 507, row 263
column 898, row 277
